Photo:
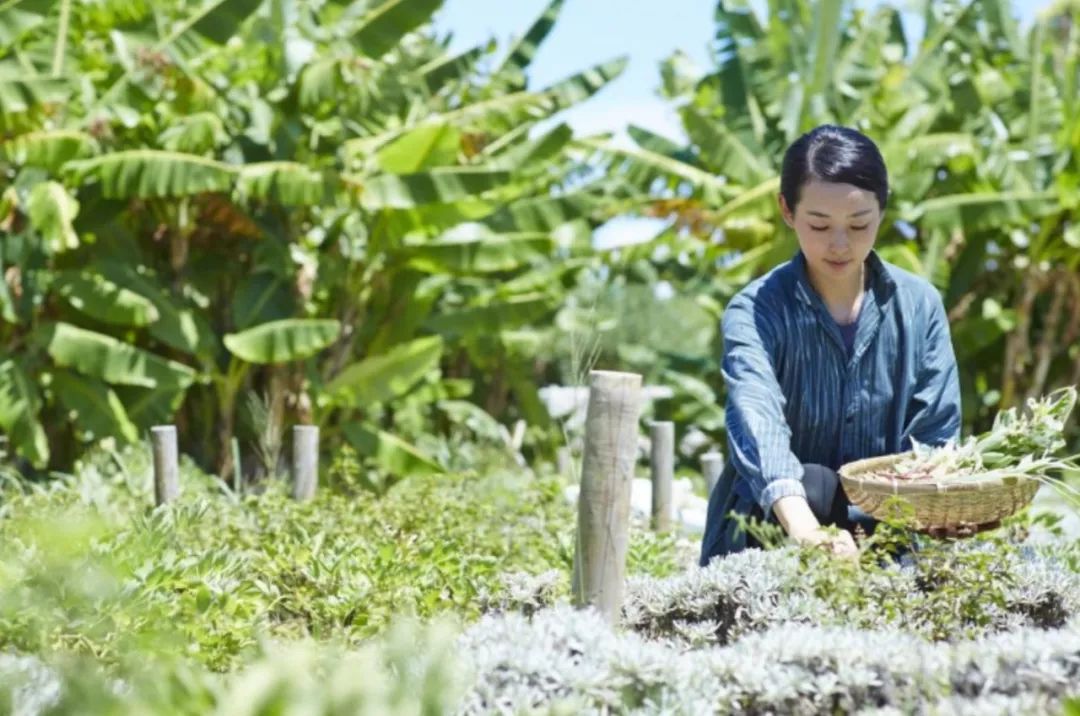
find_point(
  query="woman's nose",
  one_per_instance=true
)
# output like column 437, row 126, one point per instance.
column 839, row 241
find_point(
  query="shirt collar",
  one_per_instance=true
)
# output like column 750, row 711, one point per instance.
column 882, row 285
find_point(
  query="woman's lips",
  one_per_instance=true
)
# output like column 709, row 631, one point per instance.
column 838, row 264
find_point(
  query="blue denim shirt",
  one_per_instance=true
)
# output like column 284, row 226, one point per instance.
column 796, row 395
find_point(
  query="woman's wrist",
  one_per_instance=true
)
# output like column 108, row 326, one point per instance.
column 796, row 517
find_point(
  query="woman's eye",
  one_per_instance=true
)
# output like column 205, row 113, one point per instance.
column 819, row 228
column 860, row 228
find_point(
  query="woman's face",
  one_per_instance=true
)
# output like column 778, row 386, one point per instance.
column 836, row 225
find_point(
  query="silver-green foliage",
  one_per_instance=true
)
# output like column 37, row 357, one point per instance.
column 574, row 662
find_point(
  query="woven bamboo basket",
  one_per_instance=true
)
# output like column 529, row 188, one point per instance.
column 935, row 504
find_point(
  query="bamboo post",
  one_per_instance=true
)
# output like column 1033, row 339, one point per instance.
column 662, row 469
column 166, row 463
column 305, row 461
column 712, row 464
column 607, row 471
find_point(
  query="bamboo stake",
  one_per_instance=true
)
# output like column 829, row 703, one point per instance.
column 611, row 429
column 662, row 471
column 305, row 461
column 166, row 463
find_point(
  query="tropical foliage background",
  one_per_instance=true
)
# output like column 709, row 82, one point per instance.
column 347, row 226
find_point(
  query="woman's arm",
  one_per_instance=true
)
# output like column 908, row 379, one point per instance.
column 758, row 433
column 933, row 415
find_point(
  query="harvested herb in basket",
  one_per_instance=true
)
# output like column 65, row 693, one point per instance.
column 1020, row 443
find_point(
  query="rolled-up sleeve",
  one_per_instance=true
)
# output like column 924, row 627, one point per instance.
column 933, row 415
column 759, row 437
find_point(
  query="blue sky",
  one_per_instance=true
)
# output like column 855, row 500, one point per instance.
column 592, row 31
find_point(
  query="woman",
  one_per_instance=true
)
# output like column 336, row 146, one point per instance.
column 831, row 357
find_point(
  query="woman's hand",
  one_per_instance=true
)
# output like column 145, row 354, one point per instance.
column 838, row 542
column 801, row 525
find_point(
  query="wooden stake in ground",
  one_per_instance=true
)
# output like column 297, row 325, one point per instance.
column 712, row 464
column 662, row 468
column 166, row 463
column 305, row 461
column 611, row 430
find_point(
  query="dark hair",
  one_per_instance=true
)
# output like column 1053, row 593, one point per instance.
column 834, row 154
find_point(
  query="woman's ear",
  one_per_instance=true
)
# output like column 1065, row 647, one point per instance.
column 785, row 211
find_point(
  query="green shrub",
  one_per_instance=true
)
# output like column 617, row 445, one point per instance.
column 92, row 569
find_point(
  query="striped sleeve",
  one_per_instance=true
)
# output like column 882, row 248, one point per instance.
column 933, row 414
column 759, row 437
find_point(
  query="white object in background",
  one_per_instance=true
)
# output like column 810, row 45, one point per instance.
column 689, row 509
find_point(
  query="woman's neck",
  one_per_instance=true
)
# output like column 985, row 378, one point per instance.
column 842, row 298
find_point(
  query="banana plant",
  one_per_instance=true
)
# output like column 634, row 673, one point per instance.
column 349, row 220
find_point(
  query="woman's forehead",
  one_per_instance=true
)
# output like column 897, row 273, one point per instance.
column 833, row 199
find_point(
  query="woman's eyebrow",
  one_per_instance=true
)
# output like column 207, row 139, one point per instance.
column 823, row 215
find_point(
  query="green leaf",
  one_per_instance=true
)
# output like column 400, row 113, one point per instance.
column 392, row 454
column 178, row 327
column 583, row 85
column 643, row 167
column 113, row 361
column 512, row 109
column 492, row 318
column 535, row 151
column 440, row 71
column 18, row 17
column 218, row 20
column 283, row 341
column 146, row 407
column 20, row 96
column 383, row 27
column 382, row 378
column 7, row 301
column 679, row 74
column 438, row 186
column 93, row 406
column 194, row 134
column 826, row 40
column 100, row 298
column 48, row 149
column 391, row 226
column 521, row 53
column 287, row 183
column 260, row 298
column 650, row 141
column 528, row 396
column 542, row 213
column 903, row 256
column 738, row 157
column 19, row 407
column 473, row 417
column 52, row 212
column 426, row 146
column 320, row 81
column 478, row 251
column 149, row 173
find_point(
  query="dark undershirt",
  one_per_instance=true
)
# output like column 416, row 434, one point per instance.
column 848, row 334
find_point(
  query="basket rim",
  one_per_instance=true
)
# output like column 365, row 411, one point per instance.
column 849, row 475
